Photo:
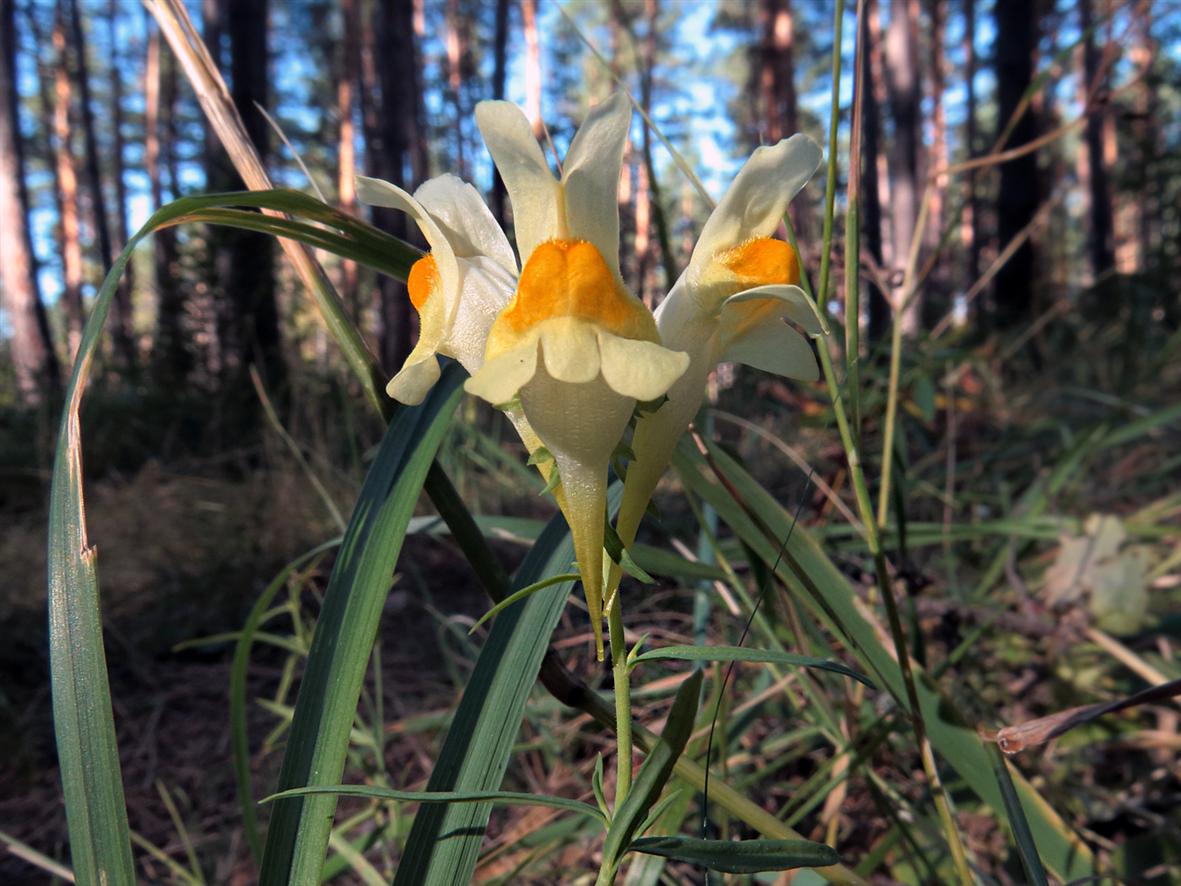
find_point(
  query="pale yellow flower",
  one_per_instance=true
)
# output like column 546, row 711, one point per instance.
column 573, row 347
column 729, row 305
column 459, row 287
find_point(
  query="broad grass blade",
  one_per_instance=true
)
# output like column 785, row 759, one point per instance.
column 828, row 594
column 96, row 812
column 444, row 842
column 297, row 836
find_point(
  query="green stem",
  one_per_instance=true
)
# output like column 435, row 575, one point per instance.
column 623, row 702
column 830, row 185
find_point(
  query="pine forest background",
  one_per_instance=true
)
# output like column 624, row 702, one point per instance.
column 1048, row 319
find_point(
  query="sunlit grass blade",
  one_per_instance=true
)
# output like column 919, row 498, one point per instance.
column 742, row 653
column 444, row 842
column 297, row 836
column 84, row 726
column 830, row 597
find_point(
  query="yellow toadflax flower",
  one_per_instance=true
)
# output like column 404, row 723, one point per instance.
column 457, row 288
column 729, row 304
column 573, row 347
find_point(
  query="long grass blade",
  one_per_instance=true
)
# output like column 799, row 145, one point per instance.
column 297, row 836
column 444, row 842
column 825, row 590
column 84, row 726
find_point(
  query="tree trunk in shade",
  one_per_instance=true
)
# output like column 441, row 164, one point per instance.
column 532, row 65
column 903, row 88
column 121, row 308
column 33, row 357
column 395, row 154
column 346, row 82
column 251, row 284
column 499, row 80
column 118, row 161
column 970, row 223
column 776, row 82
column 170, row 355
column 1017, row 197
column 871, row 149
column 66, row 181
column 1100, row 245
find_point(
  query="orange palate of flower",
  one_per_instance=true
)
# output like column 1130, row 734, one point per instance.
column 422, row 280
column 569, row 278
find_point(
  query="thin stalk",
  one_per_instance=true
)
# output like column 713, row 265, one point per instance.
column 908, row 291
column 849, row 440
column 830, row 185
column 853, row 231
column 623, row 704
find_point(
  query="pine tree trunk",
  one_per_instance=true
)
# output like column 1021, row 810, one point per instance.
column 66, row 175
column 214, row 307
column 346, row 81
column 879, row 308
column 33, row 357
column 902, row 83
column 251, row 284
column 970, row 225
column 1017, row 197
column 392, row 153
column 777, row 89
column 499, row 80
column 532, row 65
column 456, row 46
column 1099, row 241
column 170, row 356
column 118, row 161
column 121, row 307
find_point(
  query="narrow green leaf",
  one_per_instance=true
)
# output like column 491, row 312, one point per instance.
column 444, row 842
column 297, row 836
column 656, row 770
column 502, row 798
column 1022, row 836
column 84, row 726
column 739, row 857
column 239, row 737
column 517, row 596
column 822, row 587
column 741, row 653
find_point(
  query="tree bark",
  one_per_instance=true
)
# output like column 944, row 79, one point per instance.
column 499, row 79
column 456, row 48
column 118, row 161
column 970, row 224
column 251, row 284
column 776, row 83
column 1100, row 245
column 121, row 307
column 66, row 175
column 871, row 127
column 532, row 66
column 902, row 85
column 1017, row 197
column 346, row 82
column 170, row 356
column 395, row 155
column 33, row 357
